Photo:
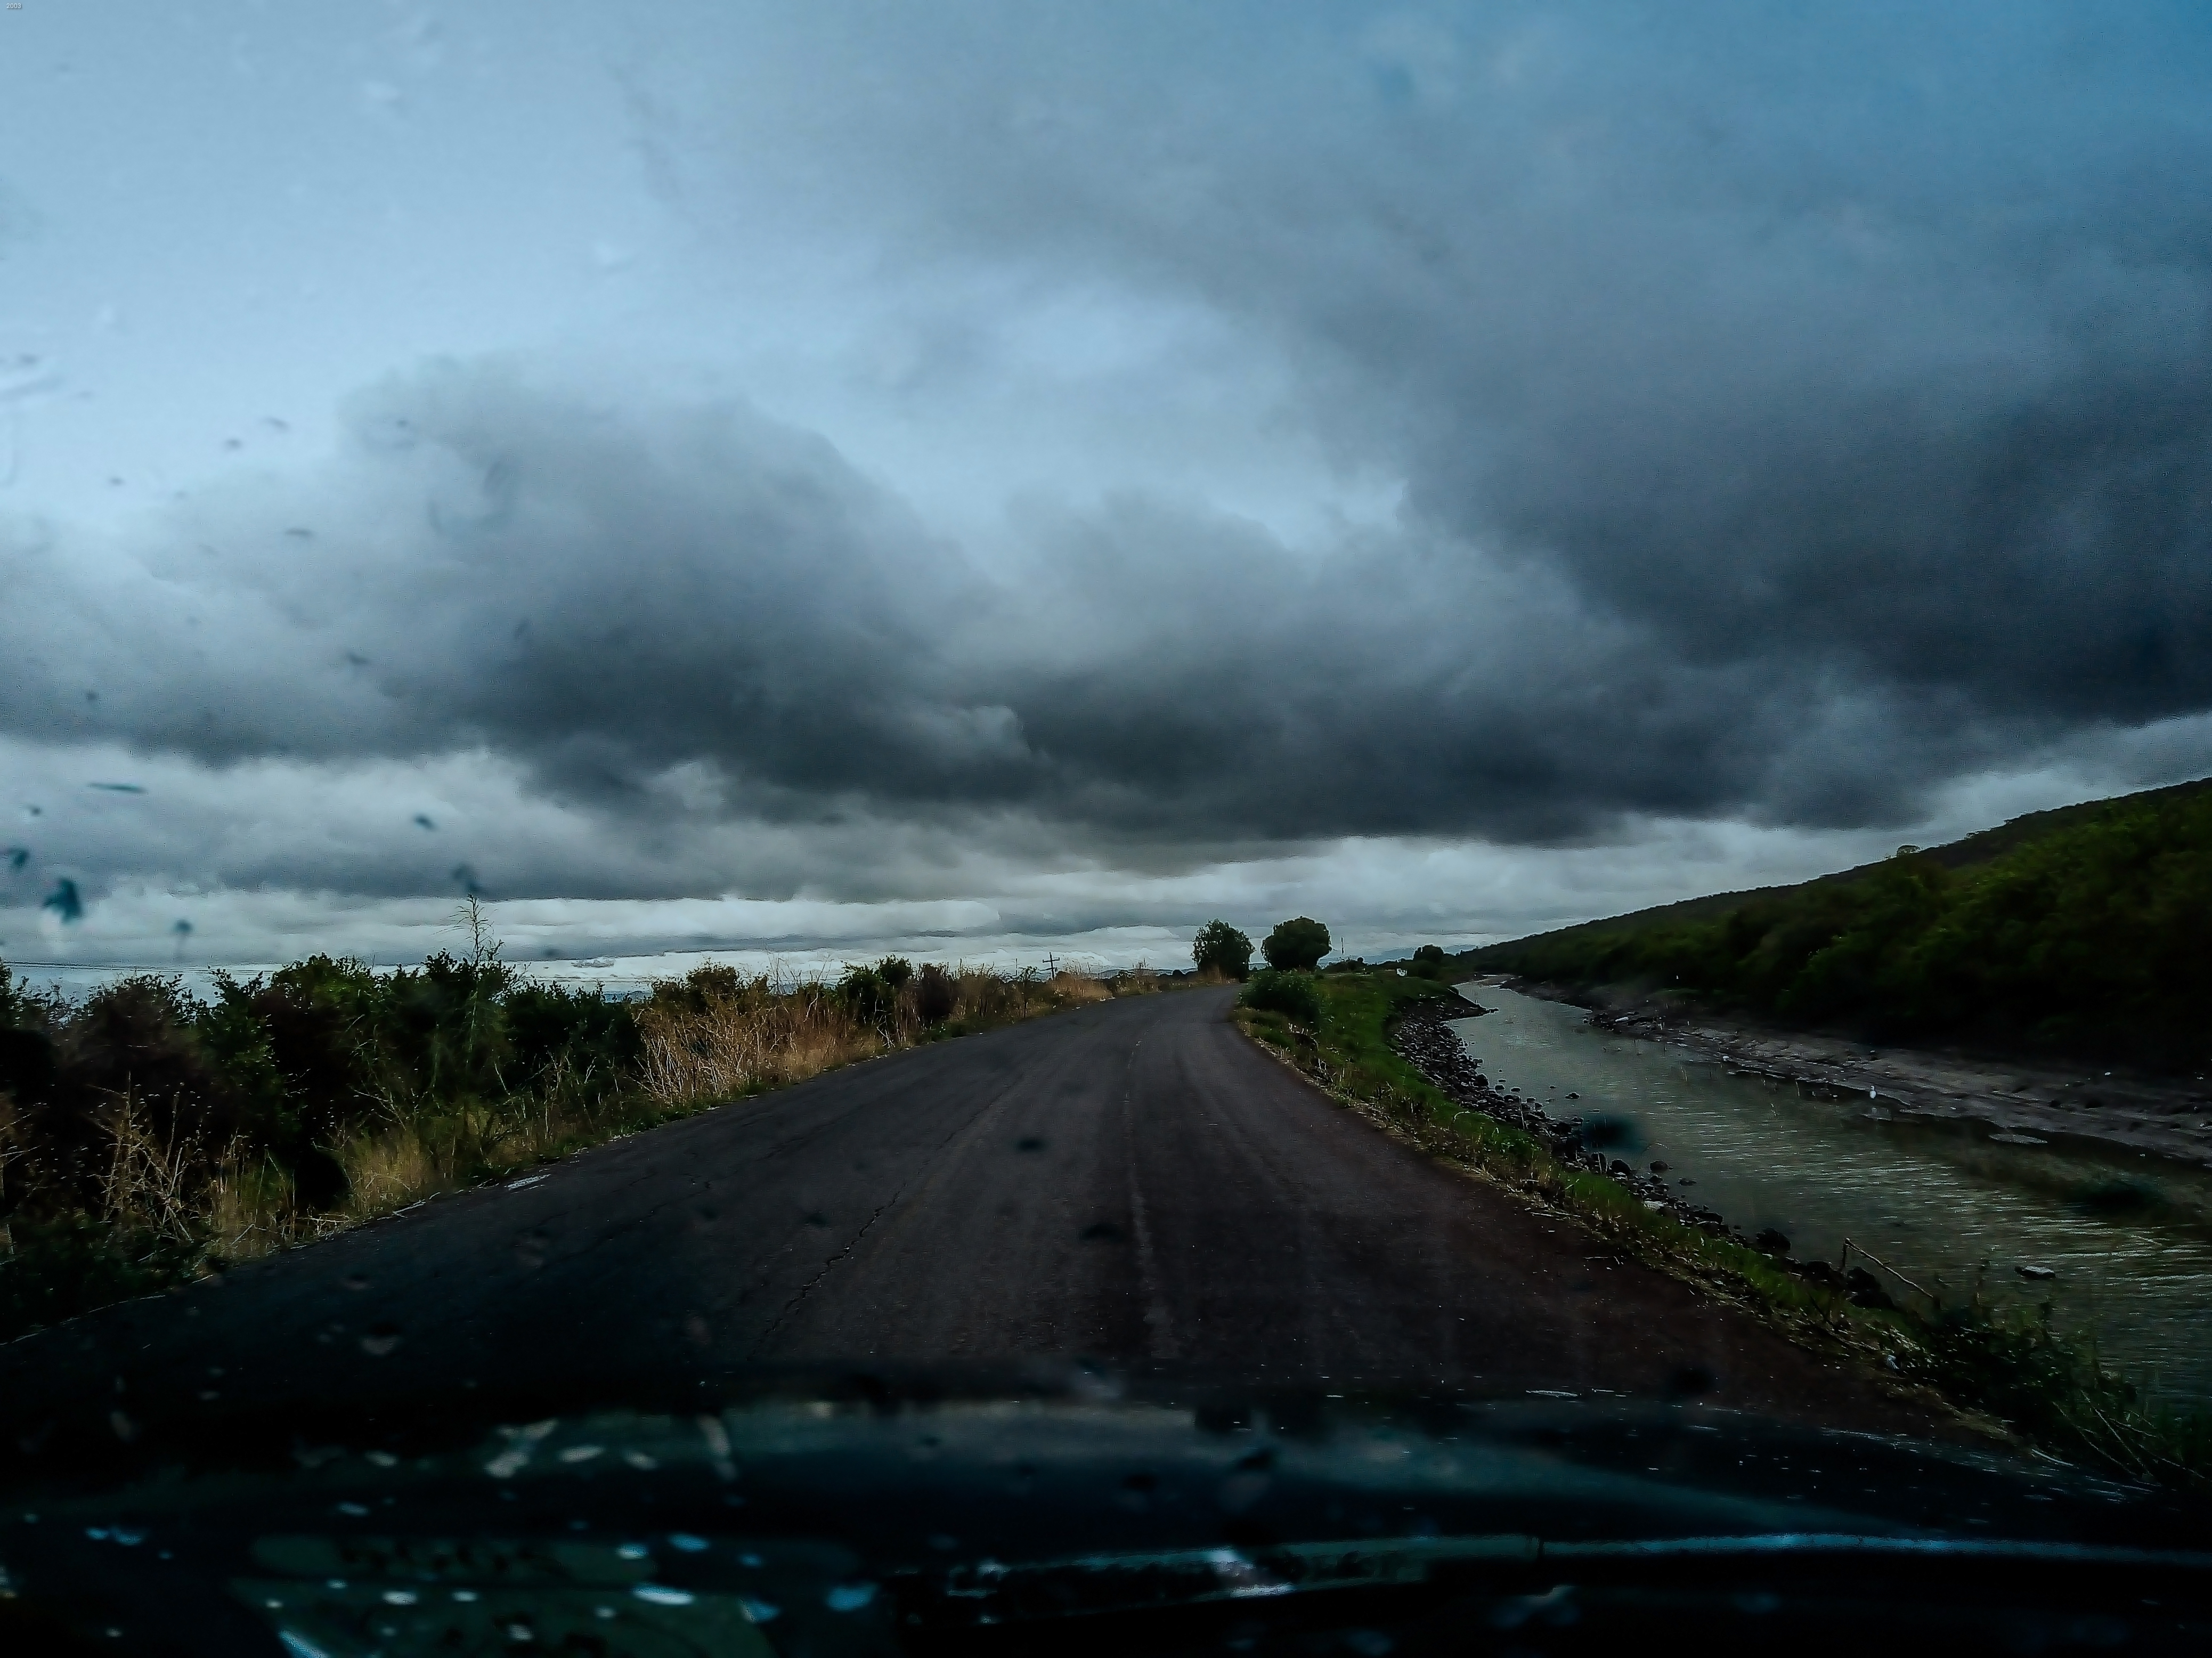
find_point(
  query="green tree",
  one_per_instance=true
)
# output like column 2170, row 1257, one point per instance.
column 1221, row 945
column 1295, row 945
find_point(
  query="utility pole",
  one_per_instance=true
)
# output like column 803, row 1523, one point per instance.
column 1051, row 964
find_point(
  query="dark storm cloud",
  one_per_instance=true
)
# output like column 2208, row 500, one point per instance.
column 609, row 599
column 1792, row 412
column 1860, row 353
column 490, row 565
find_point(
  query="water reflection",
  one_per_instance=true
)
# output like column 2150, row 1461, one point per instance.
column 2127, row 1236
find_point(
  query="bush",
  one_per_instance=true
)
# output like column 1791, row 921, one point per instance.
column 1295, row 945
column 1291, row 994
column 872, row 993
column 1428, row 962
column 936, row 994
column 1221, row 945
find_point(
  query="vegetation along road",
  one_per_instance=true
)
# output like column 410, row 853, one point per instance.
column 1134, row 1182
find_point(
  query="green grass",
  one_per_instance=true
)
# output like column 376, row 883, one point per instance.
column 2016, row 1370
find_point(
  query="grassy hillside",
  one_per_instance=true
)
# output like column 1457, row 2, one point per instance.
column 2086, row 931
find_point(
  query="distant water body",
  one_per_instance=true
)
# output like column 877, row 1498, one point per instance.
column 2127, row 1235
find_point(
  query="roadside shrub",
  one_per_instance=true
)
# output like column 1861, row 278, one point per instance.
column 1291, row 994
column 871, row 994
column 1222, row 947
column 297, row 1051
column 699, row 989
column 936, row 994
column 579, row 1037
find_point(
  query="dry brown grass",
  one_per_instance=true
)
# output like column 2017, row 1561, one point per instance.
column 148, row 1180
column 388, row 1171
column 423, row 1152
column 251, row 1210
column 758, row 1034
column 1070, row 989
column 716, row 1036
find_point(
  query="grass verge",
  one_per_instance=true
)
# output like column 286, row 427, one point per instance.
column 2016, row 1371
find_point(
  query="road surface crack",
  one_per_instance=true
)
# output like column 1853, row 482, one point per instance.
column 808, row 1288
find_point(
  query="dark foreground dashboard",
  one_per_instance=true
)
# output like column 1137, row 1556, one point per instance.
column 854, row 1516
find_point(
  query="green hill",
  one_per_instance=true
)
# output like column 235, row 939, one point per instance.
column 2086, row 931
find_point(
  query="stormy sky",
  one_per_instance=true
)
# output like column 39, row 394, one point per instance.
column 986, row 479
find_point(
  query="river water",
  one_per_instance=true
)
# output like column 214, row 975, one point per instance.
column 2129, row 1235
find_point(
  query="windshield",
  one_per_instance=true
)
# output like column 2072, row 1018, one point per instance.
column 1372, row 803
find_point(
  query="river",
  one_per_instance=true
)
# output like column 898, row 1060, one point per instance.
column 2127, row 1235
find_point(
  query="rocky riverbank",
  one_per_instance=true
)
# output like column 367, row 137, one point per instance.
column 1423, row 1036
column 2028, row 1102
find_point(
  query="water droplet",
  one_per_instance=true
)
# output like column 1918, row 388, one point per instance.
column 66, row 902
column 660, row 1595
column 849, row 1597
column 686, row 1542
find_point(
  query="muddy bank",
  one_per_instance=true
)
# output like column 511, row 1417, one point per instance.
column 2028, row 1098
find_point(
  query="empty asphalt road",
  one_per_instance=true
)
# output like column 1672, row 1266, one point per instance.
column 1133, row 1183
